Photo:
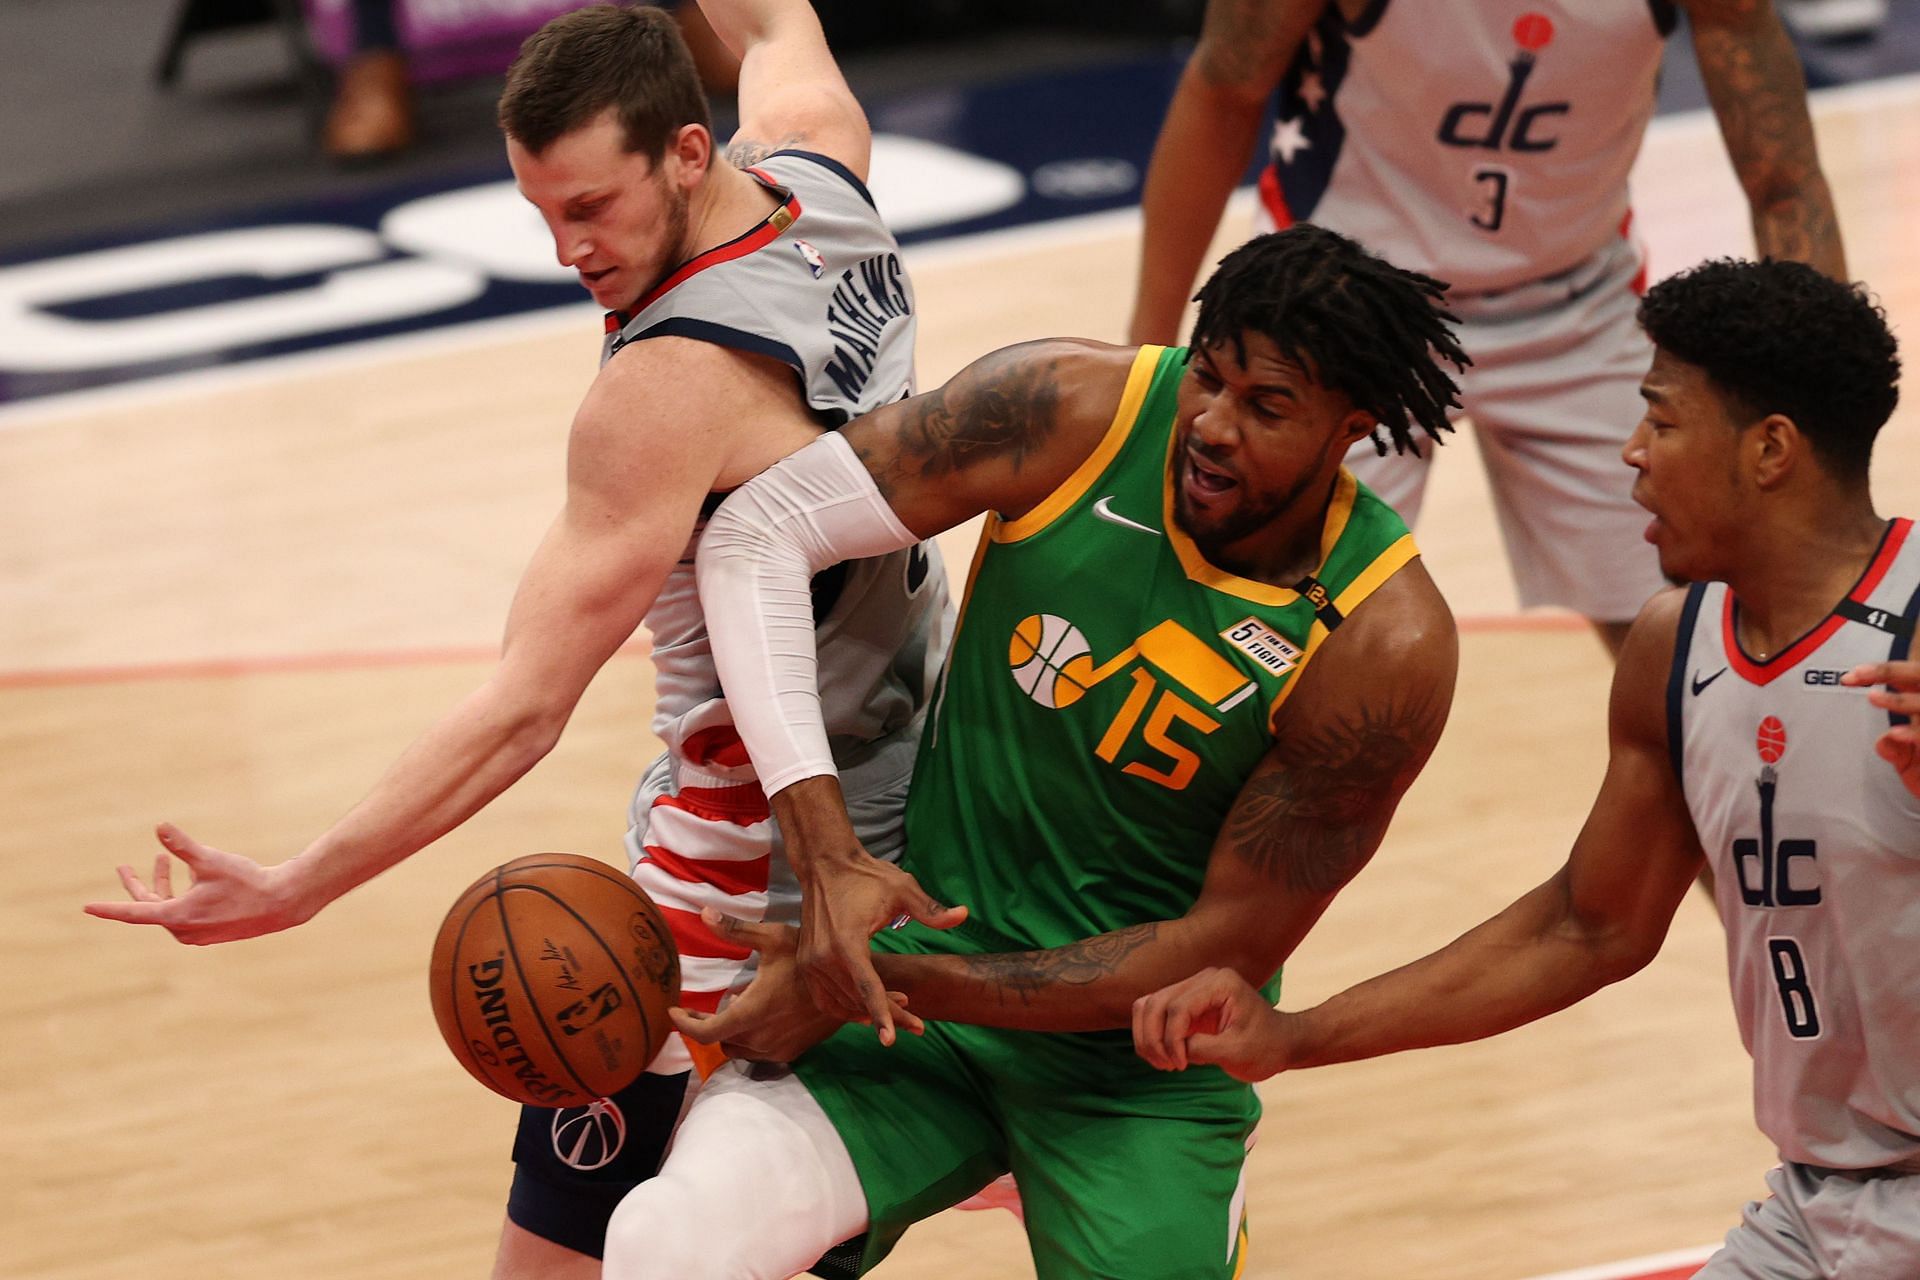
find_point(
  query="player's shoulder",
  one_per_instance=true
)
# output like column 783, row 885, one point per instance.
column 1651, row 641
column 1072, row 374
column 1399, row 648
column 669, row 379
column 1404, row 619
column 1637, row 709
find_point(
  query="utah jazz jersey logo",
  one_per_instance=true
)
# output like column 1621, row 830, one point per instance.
column 1053, row 664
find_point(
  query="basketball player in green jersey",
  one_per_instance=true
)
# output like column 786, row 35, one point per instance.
column 1197, row 668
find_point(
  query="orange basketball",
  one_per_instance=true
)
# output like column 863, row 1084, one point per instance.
column 551, row 979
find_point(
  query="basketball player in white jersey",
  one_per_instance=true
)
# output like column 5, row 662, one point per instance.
column 1742, row 735
column 754, row 300
column 1488, row 144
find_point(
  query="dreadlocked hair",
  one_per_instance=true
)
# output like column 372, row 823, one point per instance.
column 1357, row 323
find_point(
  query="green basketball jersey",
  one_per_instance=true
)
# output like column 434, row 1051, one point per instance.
column 1109, row 691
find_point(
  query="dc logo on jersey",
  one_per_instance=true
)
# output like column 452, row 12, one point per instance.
column 1506, row 125
column 588, row 1138
column 815, row 263
column 1770, row 740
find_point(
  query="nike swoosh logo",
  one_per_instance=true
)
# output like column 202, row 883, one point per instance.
column 1699, row 684
column 1104, row 509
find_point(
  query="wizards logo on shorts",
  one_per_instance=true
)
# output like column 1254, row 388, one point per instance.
column 1178, row 679
column 589, row 1137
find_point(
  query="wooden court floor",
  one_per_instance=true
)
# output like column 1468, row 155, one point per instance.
column 231, row 604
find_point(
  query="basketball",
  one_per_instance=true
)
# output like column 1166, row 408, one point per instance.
column 551, row 979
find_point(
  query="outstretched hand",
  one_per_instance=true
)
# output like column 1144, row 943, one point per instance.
column 839, row 914
column 1217, row 1017
column 774, row 1019
column 1899, row 746
column 231, row 897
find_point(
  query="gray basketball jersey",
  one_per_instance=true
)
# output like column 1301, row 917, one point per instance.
column 818, row 286
column 1815, row 848
column 1485, row 143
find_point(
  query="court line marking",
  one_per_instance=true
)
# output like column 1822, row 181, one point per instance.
column 1867, row 95
column 1652, row 1265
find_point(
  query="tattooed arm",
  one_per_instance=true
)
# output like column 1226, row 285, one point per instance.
column 791, row 91
column 1351, row 739
column 1210, row 131
column 1759, row 95
column 1600, row 918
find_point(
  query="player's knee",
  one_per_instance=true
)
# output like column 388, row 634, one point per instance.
column 652, row 1235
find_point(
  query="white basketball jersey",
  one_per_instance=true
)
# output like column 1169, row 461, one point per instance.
column 1485, row 143
column 1815, row 848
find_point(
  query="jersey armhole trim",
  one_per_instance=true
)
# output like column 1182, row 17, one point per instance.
column 1677, row 681
column 1369, row 18
column 1396, row 557
column 1902, row 647
column 1146, row 363
column 720, row 335
column 832, row 166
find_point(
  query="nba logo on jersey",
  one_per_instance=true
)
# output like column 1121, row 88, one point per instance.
column 815, row 263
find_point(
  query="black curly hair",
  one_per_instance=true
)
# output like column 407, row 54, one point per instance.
column 1356, row 322
column 1781, row 337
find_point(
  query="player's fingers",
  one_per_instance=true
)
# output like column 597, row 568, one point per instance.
column 904, row 1018
column 1179, row 1026
column 136, row 887
column 163, row 874
column 702, row 1028
column 756, row 937
column 1898, row 746
column 879, row 1009
column 1206, row 1047
column 1905, row 674
column 147, row 912
column 185, row 847
column 1906, row 704
column 927, row 911
column 1149, row 1018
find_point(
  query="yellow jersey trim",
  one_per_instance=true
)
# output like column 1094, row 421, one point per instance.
column 1384, row 566
column 1075, row 486
column 1199, row 569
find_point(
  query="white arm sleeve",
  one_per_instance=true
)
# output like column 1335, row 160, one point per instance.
column 756, row 562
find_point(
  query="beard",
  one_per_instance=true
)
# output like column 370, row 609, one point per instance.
column 1215, row 535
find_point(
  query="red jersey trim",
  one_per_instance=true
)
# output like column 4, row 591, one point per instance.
column 1274, row 199
column 1764, row 673
column 739, row 247
column 1639, row 285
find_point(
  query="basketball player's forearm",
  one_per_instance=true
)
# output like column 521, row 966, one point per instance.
column 1753, row 79
column 1801, row 227
column 1086, row 986
column 1196, row 163
column 1529, row 961
column 449, row 774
